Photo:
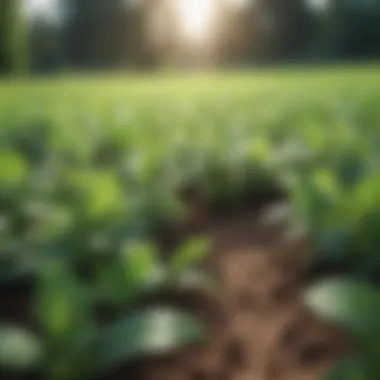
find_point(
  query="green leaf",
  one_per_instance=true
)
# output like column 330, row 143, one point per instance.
column 74, row 360
column 260, row 148
column 327, row 182
column 62, row 304
column 189, row 254
column 351, row 166
column 334, row 242
column 13, row 168
column 105, row 196
column 365, row 196
column 348, row 369
column 139, row 262
column 195, row 279
column 101, row 192
column 19, row 349
column 136, row 270
column 144, row 333
column 353, row 304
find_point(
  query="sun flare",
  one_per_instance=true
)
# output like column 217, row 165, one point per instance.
column 196, row 18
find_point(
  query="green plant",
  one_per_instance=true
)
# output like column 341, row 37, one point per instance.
column 354, row 305
column 89, row 168
column 75, row 344
column 19, row 349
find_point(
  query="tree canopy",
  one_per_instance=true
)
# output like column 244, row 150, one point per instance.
column 94, row 34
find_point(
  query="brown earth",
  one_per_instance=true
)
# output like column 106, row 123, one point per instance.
column 259, row 328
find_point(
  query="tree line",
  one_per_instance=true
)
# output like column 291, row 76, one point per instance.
column 104, row 34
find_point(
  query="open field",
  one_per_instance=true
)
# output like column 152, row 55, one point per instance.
column 90, row 175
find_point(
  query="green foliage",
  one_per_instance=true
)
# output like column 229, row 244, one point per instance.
column 104, row 34
column 138, row 270
column 354, row 305
column 14, row 168
column 139, row 262
column 89, row 171
column 351, row 368
column 20, row 350
column 189, row 254
column 13, row 57
column 146, row 333
column 78, row 345
column 140, row 333
column 62, row 305
column 351, row 303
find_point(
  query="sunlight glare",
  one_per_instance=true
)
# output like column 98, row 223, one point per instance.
column 196, row 18
column 37, row 6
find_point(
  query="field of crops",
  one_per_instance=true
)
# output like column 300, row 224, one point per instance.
column 90, row 170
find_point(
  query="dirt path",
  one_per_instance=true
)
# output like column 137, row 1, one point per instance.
column 259, row 329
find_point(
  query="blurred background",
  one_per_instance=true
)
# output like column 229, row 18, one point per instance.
column 143, row 209
column 53, row 35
